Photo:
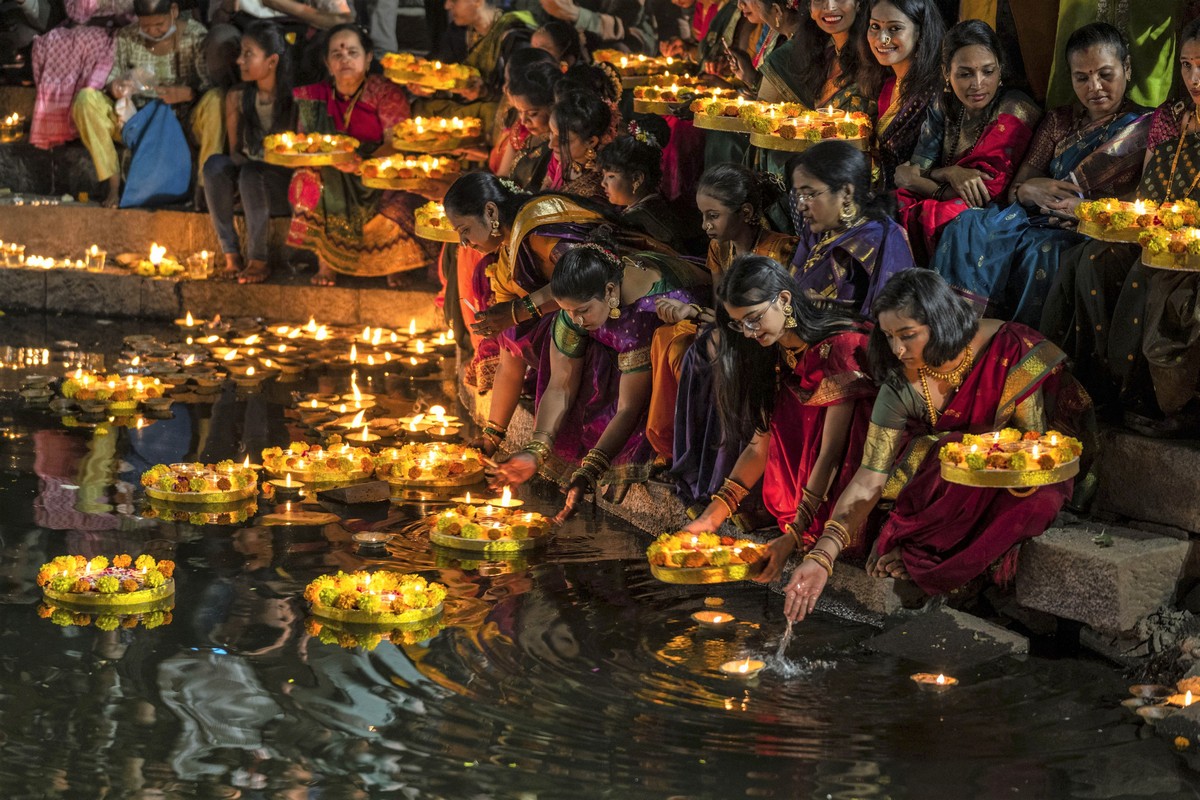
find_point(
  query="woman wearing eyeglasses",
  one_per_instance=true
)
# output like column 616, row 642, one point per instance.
column 792, row 380
column 849, row 247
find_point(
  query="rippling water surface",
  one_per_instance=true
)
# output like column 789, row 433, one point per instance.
column 572, row 673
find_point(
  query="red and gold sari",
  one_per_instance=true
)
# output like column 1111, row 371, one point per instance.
column 997, row 153
column 948, row 534
column 829, row 373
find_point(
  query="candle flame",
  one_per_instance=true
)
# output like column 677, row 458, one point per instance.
column 420, row 346
column 744, row 666
column 156, row 254
column 357, row 422
column 188, row 318
column 288, row 481
column 1187, row 699
column 412, row 426
column 246, row 463
column 250, row 372
column 468, row 498
column 412, row 326
column 941, row 680
column 506, row 497
column 311, row 327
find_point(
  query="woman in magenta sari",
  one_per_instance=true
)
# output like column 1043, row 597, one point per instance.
column 971, row 142
column 945, row 374
column 849, row 247
column 794, row 384
column 353, row 229
column 593, row 383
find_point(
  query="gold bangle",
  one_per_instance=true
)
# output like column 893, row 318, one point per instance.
column 548, row 440
column 512, row 307
column 791, row 529
column 822, row 560
column 737, row 491
column 539, row 450
column 838, row 531
column 718, row 498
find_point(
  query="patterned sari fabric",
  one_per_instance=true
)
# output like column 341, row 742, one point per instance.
column 848, row 269
column 948, row 534
column 673, row 342
column 996, row 152
column 1004, row 259
column 621, row 346
column 830, row 373
column 896, row 131
column 1097, row 307
column 354, row 229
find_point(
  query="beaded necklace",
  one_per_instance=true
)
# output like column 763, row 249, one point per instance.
column 953, row 377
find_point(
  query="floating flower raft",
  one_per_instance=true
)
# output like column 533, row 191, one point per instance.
column 698, row 558
column 375, row 598
column 1011, row 459
column 108, row 621
column 122, row 583
column 430, row 465
column 223, row 482
column 312, row 463
column 488, row 529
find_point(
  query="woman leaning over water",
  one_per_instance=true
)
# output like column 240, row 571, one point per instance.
column 792, row 380
column 945, row 373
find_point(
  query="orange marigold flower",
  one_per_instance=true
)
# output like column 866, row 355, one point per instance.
column 81, row 586
column 166, row 567
column 44, row 611
column 129, row 585
column 122, row 560
column 130, row 622
column 43, row 578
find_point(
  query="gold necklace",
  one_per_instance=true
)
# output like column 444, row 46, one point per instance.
column 955, row 376
column 1175, row 162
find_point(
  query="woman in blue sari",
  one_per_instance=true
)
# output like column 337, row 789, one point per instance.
column 1004, row 259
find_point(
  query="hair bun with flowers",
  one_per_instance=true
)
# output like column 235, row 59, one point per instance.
column 604, row 252
column 642, row 135
column 512, row 187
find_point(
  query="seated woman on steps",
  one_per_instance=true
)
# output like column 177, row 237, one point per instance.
column 944, row 374
column 170, row 51
column 260, row 106
column 353, row 229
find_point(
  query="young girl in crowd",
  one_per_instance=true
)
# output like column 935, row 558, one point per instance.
column 260, row 106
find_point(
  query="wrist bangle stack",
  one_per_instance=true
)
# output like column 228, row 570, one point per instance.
column 839, row 533
column 513, row 308
column 531, row 307
column 790, row 529
column 822, row 558
column 494, row 433
column 539, row 450
column 592, row 467
column 731, row 494
column 807, row 509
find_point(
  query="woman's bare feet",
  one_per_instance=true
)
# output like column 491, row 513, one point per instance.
column 233, row 266
column 324, row 277
column 256, row 272
column 114, row 192
column 890, row 565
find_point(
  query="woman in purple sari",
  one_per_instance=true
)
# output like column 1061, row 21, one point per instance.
column 849, row 247
column 593, row 383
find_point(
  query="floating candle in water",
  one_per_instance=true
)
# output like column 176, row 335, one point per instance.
column 506, row 500
column 936, row 683
column 743, row 669
column 712, row 619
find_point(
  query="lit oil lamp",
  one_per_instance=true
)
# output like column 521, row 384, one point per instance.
column 713, row 620
column 466, row 499
column 286, row 489
column 743, row 668
column 934, row 683
column 188, row 322
column 506, row 500
column 363, row 437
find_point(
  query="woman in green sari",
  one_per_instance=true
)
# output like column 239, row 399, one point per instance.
column 816, row 67
column 492, row 34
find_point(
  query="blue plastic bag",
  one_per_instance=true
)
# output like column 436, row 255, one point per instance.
column 160, row 171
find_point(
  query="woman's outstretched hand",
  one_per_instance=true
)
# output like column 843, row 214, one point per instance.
column 519, row 468
column 493, row 319
column 575, row 494
column 778, row 551
column 803, row 590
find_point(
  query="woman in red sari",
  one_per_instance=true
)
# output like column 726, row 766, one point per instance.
column 353, row 230
column 794, row 384
column 971, row 143
column 945, row 374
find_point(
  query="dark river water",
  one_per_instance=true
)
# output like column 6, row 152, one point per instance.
column 571, row 673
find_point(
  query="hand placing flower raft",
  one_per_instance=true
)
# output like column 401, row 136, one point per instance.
column 1010, row 459
column 309, row 149
column 1111, row 220
column 1171, row 249
column 408, row 174
column 409, row 69
column 112, row 393
column 436, row 134
column 792, row 127
column 695, row 558
column 490, row 529
column 312, row 463
column 99, row 582
column 433, row 225
column 430, row 464
column 223, row 482
column 377, row 598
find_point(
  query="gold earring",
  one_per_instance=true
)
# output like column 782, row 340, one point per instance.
column 614, row 311
column 637, row 185
column 589, row 160
column 495, row 228
column 788, row 320
column 849, row 212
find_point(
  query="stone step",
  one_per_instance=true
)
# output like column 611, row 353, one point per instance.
column 1150, row 480
column 1066, row 573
